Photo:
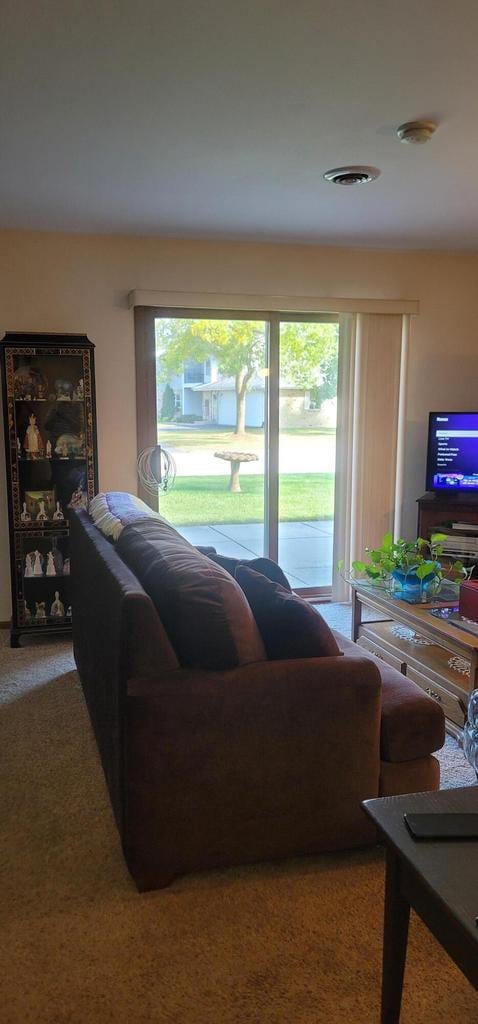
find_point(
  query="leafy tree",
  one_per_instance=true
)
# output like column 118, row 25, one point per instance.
column 238, row 346
column 309, row 354
column 168, row 405
column 328, row 386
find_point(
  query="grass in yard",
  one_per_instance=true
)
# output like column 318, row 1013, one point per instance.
column 205, row 500
column 177, row 437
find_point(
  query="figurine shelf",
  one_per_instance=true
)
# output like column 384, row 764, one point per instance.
column 50, row 441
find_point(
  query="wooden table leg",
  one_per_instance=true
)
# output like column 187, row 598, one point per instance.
column 395, row 936
column 356, row 614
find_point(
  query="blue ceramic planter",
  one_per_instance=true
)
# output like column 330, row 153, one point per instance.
column 408, row 587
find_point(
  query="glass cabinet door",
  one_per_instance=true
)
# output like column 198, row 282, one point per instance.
column 51, row 469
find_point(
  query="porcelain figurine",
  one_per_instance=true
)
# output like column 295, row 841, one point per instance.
column 48, row 449
column 50, row 567
column 41, row 514
column 78, row 499
column 24, row 515
column 63, row 390
column 40, row 610
column 66, row 567
column 29, row 563
column 57, row 610
column 58, row 514
column 33, row 441
column 38, row 563
column 79, row 391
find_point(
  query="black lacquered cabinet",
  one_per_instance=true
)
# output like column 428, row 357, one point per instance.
column 51, row 463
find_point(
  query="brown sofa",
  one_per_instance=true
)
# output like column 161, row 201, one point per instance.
column 245, row 759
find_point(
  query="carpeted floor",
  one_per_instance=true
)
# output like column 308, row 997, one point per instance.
column 291, row 943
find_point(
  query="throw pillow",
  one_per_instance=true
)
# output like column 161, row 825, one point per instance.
column 204, row 611
column 289, row 626
column 265, row 566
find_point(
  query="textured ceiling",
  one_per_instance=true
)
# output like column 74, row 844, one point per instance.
column 214, row 118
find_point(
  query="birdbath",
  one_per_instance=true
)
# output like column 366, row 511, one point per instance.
column 235, row 458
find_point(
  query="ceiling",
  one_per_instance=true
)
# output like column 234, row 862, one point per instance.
column 218, row 118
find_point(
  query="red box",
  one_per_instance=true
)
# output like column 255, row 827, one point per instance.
column 468, row 606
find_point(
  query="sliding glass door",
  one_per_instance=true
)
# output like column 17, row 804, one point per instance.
column 308, row 352
column 246, row 405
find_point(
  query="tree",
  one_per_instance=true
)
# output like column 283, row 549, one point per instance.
column 308, row 352
column 328, row 386
column 168, row 405
column 238, row 346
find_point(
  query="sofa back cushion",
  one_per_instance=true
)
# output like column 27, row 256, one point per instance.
column 204, row 611
column 289, row 626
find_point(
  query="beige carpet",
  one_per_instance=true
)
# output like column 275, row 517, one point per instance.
column 294, row 943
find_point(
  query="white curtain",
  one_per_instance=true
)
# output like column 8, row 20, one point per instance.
column 370, row 424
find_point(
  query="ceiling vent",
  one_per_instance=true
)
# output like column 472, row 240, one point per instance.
column 351, row 175
column 416, row 132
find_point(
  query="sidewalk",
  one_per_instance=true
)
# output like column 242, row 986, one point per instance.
column 305, row 548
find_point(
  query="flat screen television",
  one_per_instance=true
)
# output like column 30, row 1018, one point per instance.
column 452, row 462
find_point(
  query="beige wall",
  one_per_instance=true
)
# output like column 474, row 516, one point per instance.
column 78, row 283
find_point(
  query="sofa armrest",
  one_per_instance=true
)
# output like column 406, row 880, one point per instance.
column 267, row 760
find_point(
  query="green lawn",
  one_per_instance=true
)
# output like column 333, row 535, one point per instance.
column 190, row 437
column 205, row 500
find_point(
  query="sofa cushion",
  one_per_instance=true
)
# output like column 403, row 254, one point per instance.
column 204, row 611
column 289, row 626
column 266, row 566
column 412, row 724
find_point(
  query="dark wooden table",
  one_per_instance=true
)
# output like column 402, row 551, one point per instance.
column 438, row 878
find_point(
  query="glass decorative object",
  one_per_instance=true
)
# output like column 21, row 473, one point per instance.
column 470, row 734
column 408, row 587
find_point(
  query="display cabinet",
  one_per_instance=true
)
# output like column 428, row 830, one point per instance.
column 51, row 465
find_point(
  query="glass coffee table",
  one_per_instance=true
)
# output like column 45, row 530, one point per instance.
column 425, row 642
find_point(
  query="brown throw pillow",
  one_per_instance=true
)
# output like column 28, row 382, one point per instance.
column 265, row 566
column 290, row 628
column 204, row 611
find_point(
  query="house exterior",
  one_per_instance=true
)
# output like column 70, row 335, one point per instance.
column 202, row 392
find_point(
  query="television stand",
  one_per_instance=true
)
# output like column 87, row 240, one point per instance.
column 437, row 512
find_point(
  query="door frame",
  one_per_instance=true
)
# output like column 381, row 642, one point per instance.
column 146, row 398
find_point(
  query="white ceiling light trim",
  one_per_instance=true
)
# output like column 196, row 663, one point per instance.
column 356, row 174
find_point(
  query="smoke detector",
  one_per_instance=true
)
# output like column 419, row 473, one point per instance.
column 351, row 175
column 416, row 132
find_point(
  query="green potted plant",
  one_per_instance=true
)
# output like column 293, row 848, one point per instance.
column 410, row 570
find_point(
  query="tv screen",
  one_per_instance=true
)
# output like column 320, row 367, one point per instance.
column 452, row 463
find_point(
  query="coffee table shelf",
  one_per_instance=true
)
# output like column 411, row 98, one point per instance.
column 445, row 666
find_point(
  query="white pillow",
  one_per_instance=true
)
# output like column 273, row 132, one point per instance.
column 112, row 511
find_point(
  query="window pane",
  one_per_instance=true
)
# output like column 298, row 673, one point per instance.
column 211, row 405
column 307, row 419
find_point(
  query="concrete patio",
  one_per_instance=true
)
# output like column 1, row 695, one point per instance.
column 305, row 548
